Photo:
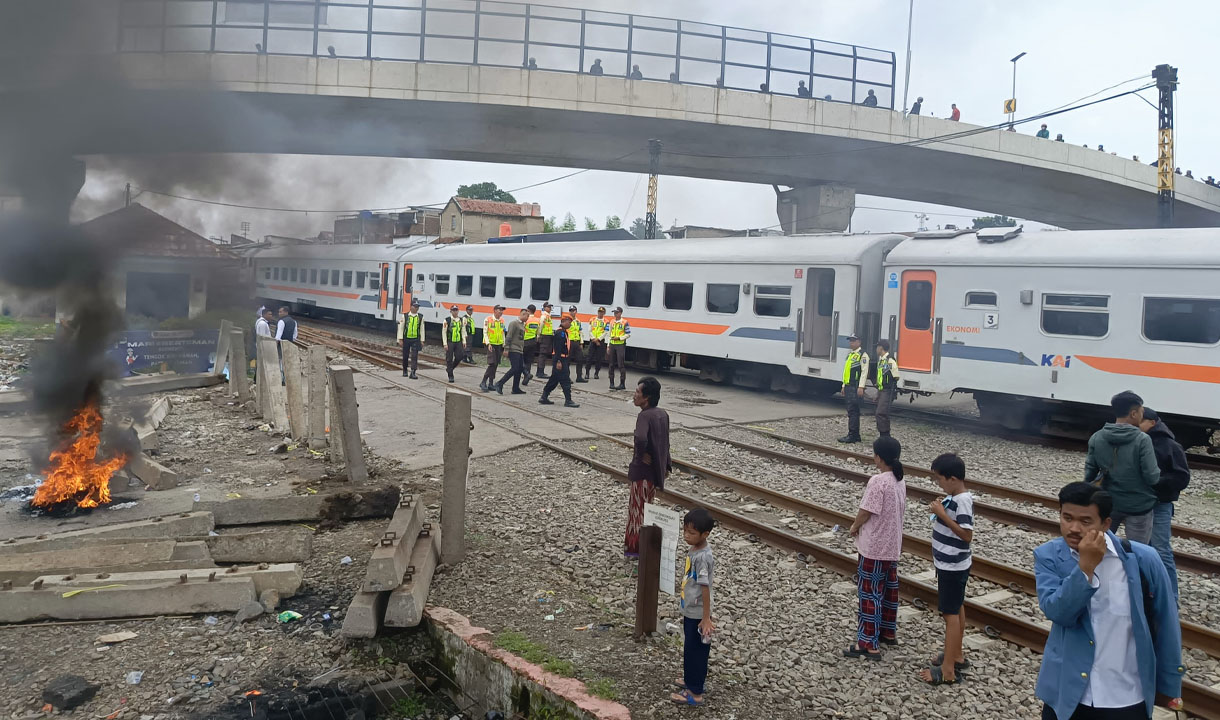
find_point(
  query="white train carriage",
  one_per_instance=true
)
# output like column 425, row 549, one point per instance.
column 360, row 283
column 758, row 311
column 1046, row 327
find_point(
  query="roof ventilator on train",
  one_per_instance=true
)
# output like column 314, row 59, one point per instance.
column 998, row 234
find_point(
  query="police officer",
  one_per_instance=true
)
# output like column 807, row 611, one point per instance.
column 493, row 336
column 597, row 344
column 411, row 338
column 468, row 321
column 887, row 385
column 620, row 330
column 546, row 338
column 855, row 373
column 561, row 351
column 453, row 334
column 576, row 335
column 530, row 344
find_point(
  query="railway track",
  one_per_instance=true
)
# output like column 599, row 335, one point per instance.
column 1200, row 700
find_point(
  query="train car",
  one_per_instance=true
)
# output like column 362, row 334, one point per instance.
column 1043, row 328
column 761, row 312
column 362, row 284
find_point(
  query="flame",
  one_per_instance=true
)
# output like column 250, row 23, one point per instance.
column 74, row 472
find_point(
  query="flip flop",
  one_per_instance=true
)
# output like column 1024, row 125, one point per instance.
column 889, row 641
column 681, row 685
column 939, row 661
column 687, row 699
column 938, row 677
column 856, row 651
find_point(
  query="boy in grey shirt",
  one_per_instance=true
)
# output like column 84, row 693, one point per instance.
column 696, row 606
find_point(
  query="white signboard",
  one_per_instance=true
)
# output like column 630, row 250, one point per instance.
column 991, row 320
column 670, row 523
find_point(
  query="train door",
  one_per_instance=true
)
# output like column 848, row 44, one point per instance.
column 407, row 279
column 818, row 323
column 915, row 327
column 383, row 295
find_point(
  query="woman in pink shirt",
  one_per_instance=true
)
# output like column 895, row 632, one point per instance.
column 878, row 533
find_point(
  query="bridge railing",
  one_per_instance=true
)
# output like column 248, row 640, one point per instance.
column 509, row 34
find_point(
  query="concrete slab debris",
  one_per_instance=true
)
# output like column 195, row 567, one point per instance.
column 25, row 577
column 170, row 526
column 392, row 555
column 270, row 546
column 364, row 615
column 133, row 553
column 346, row 505
column 68, row 691
column 152, row 473
column 162, row 382
column 221, row 595
column 157, row 412
column 405, row 608
column 284, row 578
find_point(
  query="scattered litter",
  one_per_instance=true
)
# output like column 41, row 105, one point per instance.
column 74, row 593
column 232, row 495
column 265, row 427
column 21, row 493
column 213, row 533
column 346, row 560
column 671, row 628
column 134, row 677
column 117, row 637
column 308, row 527
column 102, row 648
column 692, row 448
column 835, row 529
column 583, row 627
column 366, row 432
column 207, row 470
column 592, row 447
column 196, row 497
column 548, row 618
column 317, row 453
column 125, row 506
column 210, row 620
column 311, row 491
column 278, row 449
column 288, row 616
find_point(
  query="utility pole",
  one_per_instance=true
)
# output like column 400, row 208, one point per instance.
column 1166, row 82
column 127, row 196
column 654, row 169
column 1012, row 114
column 906, row 76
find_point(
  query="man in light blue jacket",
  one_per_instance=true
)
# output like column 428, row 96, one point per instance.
column 1115, row 646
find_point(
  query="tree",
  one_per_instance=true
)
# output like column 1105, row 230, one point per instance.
column 614, row 222
column 548, row 225
column 569, row 223
column 991, row 221
column 638, row 228
column 485, row 191
column 589, row 224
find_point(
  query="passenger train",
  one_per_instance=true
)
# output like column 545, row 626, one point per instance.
column 1042, row 328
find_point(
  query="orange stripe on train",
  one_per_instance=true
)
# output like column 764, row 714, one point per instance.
column 308, row 291
column 1147, row 368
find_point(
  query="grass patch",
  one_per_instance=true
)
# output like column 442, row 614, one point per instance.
column 412, row 706
column 26, row 328
column 604, row 688
column 559, row 666
column 520, row 645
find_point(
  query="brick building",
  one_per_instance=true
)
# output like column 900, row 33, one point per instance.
column 477, row 220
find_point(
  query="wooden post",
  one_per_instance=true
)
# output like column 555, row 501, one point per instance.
column 239, row 382
column 260, row 379
column 293, row 389
column 273, row 376
column 345, row 422
column 315, row 383
column 648, row 581
column 222, row 347
column 457, row 463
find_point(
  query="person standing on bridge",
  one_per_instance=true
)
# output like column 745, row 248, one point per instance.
column 546, row 338
column 596, row 68
column 468, row 321
column 1175, row 476
column 454, row 337
column 1122, row 461
column 887, row 386
column 871, row 100
column 620, row 330
column 956, row 114
column 411, row 338
column 529, row 344
column 1044, row 133
column 577, row 336
column 561, row 353
column 855, row 374
column 918, row 106
column 493, row 336
column 650, row 462
column 802, row 91
column 1115, row 645
column 635, row 73
column 597, row 344
column 514, row 342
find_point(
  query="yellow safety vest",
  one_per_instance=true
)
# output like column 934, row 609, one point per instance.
column 469, row 320
column 531, row 328
column 493, row 331
column 548, row 326
column 851, row 368
column 574, row 330
column 597, row 327
column 887, row 376
column 618, row 332
column 412, row 330
column 455, row 330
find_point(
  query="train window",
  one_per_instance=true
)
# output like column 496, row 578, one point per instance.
column 773, row 300
column 639, row 294
column 980, row 299
column 465, row 284
column 266, row 273
column 569, row 290
column 601, row 292
column 313, row 276
column 487, row 286
column 512, row 287
column 275, row 273
column 292, row 274
column 334, row 278
column 347, row 278
column 374, row 281
column 325, row 277
column 918, row 308
column 723, row 297
column 1080, row 315
column 360, row 279
column 540, row 289
column 679, row 296
column 442, row 284
column 1183, row 320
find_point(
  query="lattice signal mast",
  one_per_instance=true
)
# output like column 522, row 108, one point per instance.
column 1166, row 83
column 654, row 169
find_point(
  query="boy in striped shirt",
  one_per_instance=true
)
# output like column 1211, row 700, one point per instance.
column 952, row 531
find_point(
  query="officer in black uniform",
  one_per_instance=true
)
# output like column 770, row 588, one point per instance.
column 561, row 353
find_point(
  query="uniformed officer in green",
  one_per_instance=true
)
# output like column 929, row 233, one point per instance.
column 529, row 344
column 855, row 374
column 576, row 335
column 411, row 338
column 453, row 334
column 546, row 337
column 468, row 322
column 493, row 337
column 887, row 385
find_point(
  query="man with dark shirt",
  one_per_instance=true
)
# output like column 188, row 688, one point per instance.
column 917, row 106
column 596, row 68
column 561, row 351
column 650, row 459
column 514, row 342
column 871, row 100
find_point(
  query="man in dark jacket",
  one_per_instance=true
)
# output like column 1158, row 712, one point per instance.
column 1175, row 476
column 1122, row 458
column 561, row 353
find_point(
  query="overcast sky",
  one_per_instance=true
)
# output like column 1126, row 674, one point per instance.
column 960, row 53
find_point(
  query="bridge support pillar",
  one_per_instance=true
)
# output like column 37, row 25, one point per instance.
column 815, row 208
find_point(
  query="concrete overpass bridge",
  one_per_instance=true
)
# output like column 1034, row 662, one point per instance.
column 457, row 81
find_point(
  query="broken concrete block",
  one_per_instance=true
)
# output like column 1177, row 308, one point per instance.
column 270, row 599
column 364, row 615
column 132, row 553
column 152, row 473
column 157, row 412
column 278, row 546
column 393, row 553
column 405, row 608
column 67, row 691
column 347, row 505
column 285, row 578
column 174, row 598
column 146, row 435
column 181, row 525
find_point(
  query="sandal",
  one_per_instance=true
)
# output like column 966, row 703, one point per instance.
column 681, row 685
column 856, row 651
column 940, row 661
column 685, row 698
column 889, row 641
column 938, row 677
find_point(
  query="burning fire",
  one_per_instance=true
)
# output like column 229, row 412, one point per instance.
column 74, row 472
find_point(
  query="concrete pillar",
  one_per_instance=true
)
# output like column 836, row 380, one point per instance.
column 345, row 422
column 260, row 380
column 273, row 376
column 293, row 383
column 239, row 382
column 815, row 208
column 315, row 386
column 457, row 464
column 222, row 347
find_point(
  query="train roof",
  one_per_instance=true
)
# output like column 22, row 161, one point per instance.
column 825, row 248
column 380, row 252
column 1167, row 247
